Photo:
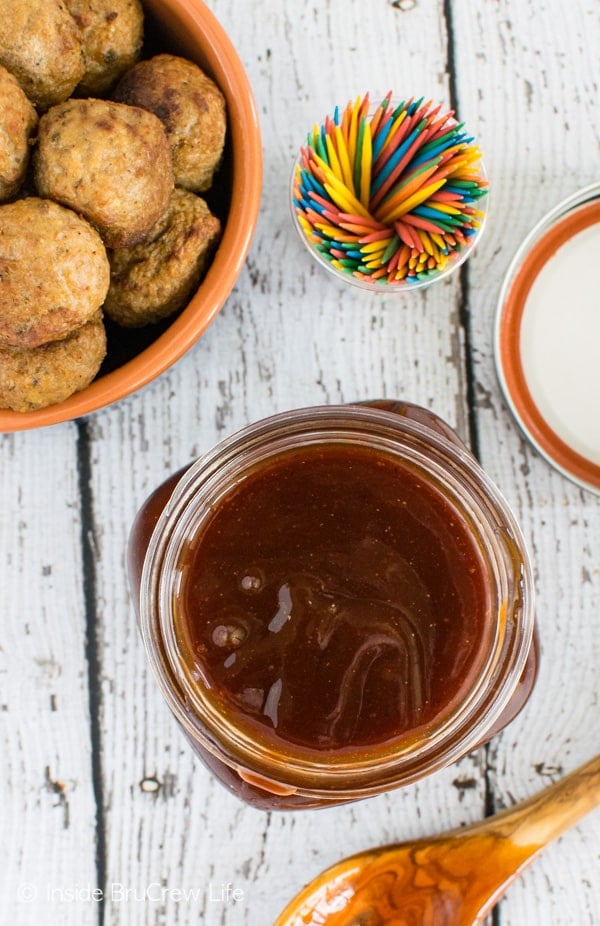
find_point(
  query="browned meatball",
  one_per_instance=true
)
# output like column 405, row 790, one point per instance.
column 18, row 119
column 40, row 43
column 40, row 376
column 152, row 281
column 192, row 108
column 112, row 33
column 54, row 272
column 108, row 161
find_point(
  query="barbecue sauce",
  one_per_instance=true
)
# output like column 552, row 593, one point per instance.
column 334, row 601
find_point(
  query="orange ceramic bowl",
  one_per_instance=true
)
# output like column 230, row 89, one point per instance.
column 137, row 356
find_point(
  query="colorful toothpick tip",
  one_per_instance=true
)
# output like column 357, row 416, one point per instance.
column 390, row 193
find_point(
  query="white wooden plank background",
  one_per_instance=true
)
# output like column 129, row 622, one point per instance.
column 97, row 788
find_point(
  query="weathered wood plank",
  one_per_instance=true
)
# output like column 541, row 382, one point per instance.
column 532, row 80
column 287, row 337
column 46, row 791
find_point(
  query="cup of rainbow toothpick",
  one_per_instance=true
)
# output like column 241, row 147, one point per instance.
column 388, row 197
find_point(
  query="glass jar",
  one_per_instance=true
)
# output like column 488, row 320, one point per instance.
column 255, row 760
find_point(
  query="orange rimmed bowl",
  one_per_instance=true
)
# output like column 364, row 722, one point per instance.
column 546, row 338
column 135, row 357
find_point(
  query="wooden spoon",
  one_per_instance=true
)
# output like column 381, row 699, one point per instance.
column 450, row 880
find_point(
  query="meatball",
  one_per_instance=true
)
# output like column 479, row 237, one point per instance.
column 54, row 272
column 40, row 43
column 112, row 33
column 192, row 109
column 40, row 376
column 18, row 119
column 108, row 161
column 152, row 281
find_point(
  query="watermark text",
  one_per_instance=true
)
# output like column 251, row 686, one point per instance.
column 156, row 892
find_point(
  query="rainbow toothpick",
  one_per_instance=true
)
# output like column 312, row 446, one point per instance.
column 389, row 193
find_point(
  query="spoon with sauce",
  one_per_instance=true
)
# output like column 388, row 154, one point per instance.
column 450, row 880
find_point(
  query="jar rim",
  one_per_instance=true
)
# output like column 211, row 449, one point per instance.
column 367, row 770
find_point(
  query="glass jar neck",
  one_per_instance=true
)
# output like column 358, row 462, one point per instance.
column 455, row 473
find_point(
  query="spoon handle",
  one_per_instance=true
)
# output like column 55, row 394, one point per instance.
column 543, row 817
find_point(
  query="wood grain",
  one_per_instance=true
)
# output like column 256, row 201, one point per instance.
column 542, row 144
column 46, row 787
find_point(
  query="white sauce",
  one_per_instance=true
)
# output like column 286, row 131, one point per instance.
column 560, row 342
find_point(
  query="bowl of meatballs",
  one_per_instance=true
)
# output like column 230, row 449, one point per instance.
column 130, row 182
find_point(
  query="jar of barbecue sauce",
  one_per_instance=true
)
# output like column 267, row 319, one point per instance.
column 335, row 601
